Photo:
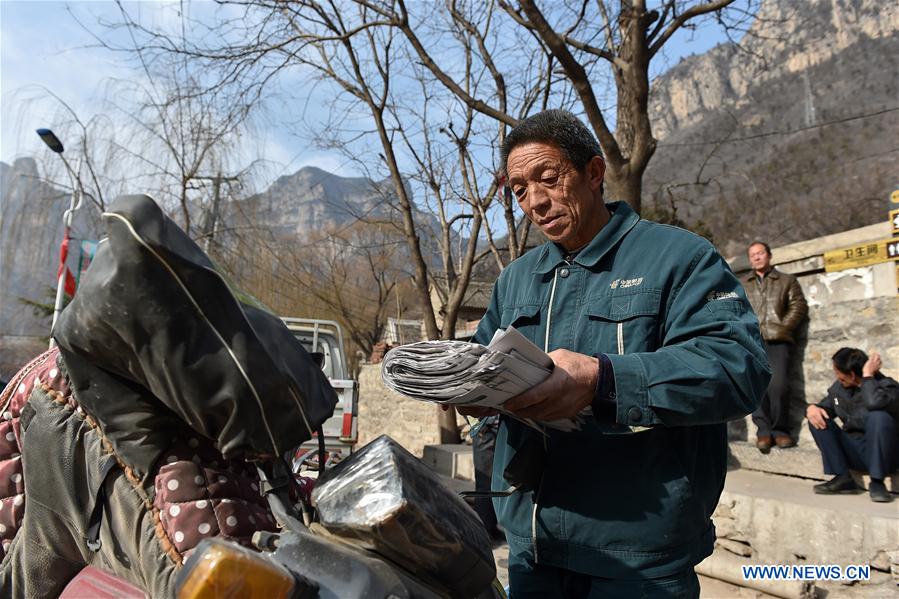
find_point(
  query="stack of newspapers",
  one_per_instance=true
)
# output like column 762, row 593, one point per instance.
column 465, row 374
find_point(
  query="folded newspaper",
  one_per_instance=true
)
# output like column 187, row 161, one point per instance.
column 459, row 373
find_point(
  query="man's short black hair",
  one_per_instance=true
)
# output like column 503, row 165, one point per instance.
column 558, row 127
column 761, row 243
column 850, row 360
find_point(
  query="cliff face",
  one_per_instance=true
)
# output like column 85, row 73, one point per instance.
column 314, row 200
column 30, row 233
column 789, row 136
column 787, row 39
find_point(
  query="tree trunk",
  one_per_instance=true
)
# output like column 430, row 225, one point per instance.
column 412, row 241
column 625, row 185
column 633, row 130
column 449, row 432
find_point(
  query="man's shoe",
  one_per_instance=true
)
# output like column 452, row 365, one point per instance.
column 784, row 441
column 764, row 443
column 878, row 492
column 841, row 484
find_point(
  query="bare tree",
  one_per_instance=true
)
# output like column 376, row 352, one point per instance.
column 439, row 86
column 350, row 46
column 184, row 141
column 90, row 146
column 625, row 36
column 354, row 272
column 181, row 134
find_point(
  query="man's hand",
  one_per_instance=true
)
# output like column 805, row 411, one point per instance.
column 473, row 411
column 567, row 391
column 873, row 365
column 817, row 417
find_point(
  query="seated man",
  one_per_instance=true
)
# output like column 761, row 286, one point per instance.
column 867, row 403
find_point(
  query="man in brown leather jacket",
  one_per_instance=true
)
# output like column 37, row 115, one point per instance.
column 780, row 306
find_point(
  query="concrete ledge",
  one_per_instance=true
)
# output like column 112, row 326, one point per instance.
column 802, row 462
column 796, row 461
column 774, row 519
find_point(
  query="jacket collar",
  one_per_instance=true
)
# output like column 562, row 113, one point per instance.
column 772, row 274
column 623, row 218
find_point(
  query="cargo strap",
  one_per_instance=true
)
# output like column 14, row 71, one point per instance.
column 96, row 518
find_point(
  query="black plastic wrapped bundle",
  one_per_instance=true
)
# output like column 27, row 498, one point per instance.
column 155, row 336
column 385, row 499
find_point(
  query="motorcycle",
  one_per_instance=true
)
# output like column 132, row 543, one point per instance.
column 154, row 322
column 381, row 525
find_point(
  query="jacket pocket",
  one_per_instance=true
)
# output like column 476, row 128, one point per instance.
column 525, row 319
column 619, row 324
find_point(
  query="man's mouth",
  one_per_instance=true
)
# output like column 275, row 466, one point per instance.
column 549, row 221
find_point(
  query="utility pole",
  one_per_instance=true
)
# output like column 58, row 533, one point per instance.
column 210, row 226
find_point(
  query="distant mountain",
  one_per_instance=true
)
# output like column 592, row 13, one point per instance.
column 791, row 135
column 312, row 199
column 313, row 202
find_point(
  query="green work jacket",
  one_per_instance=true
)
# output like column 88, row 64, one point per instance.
column 630, row 496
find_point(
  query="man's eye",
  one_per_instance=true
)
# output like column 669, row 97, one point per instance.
column 519, row 192
column 549, row 179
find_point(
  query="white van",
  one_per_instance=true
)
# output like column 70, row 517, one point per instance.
column 326, row 337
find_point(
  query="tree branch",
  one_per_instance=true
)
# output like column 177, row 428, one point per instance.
column 441, row 76
column 579, row 81
column 677, row 23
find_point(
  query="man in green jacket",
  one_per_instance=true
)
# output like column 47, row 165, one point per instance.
column 651, row 332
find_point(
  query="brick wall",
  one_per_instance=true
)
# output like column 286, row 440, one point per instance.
column 412, row 424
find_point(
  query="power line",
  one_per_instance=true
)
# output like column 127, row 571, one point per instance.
column 788, row 132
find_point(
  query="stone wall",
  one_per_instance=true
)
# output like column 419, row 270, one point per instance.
column 857, row 307
column 763, row 519
column 412, row 424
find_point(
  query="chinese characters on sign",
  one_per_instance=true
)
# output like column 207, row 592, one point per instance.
column 864, row 254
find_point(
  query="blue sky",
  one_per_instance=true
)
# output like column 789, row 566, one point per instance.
column 42, row 46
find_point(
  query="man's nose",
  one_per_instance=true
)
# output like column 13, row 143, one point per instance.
column 538, row 198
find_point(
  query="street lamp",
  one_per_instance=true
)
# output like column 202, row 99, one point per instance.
column 49, row 138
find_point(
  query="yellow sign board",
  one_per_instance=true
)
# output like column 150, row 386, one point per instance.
column 864, row 254
column 894, row 197
column 894, row 221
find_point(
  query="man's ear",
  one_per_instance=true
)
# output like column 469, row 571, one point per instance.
column 596, row 170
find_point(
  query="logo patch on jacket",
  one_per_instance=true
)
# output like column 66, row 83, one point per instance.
column 721, row 295
column 625, row 283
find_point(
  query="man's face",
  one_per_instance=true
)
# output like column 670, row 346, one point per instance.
column 849, row 380
column 564, row 203
column 759, row 259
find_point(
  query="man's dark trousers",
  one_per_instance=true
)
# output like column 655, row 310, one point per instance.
column 773, row 415
column 877, row 450
column 533, row 581
column 483, row 447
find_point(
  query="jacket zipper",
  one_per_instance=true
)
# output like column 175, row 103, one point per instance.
column 549, row 318
column 620, row 338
